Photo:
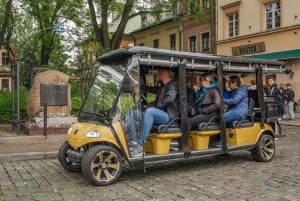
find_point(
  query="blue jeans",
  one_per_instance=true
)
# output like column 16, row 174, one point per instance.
column 133, row 119
column 152, row 116
column 232, row 116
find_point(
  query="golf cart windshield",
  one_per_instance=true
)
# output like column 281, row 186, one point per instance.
column 110, row 96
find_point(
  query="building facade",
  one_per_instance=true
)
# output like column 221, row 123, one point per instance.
column 268, row 29
column 5, row 71
column 180, row 31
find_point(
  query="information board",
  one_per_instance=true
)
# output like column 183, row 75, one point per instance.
column 54, row 94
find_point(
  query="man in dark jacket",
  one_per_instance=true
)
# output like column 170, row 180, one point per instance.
column 289, row 96
column 275, row 92
column 166, row 107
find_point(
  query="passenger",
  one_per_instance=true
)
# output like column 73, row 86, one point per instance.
column 191, row 93
column 226, row 89
column 237, row 104
column 252, row 85
column 208, row 101
column 166, row 106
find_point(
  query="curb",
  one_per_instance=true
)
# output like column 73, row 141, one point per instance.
column 289, row 124
column 28, row 156
column 25, row 139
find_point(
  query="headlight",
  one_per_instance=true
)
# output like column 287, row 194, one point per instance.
column 93, row 134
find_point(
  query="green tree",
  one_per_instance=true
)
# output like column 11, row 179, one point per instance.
column 6, row 8
column 47, row 14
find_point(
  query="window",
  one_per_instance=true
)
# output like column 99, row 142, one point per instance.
column 192, row 43
column 205, row 4
column 4, row 84
column 156, row 43
column 273, row 15
column 5, row 58
column 205, row 42
column 233, row 21
column 173, row 42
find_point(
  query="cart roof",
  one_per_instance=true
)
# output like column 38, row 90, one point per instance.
column 199, row 61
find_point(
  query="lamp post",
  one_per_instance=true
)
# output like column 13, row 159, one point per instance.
column 180, row 30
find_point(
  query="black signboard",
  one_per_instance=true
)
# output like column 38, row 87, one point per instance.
column 54, row 94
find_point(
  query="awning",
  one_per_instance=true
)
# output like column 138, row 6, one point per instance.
column 283, row 55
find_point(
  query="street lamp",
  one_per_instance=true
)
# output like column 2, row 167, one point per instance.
column 180, row 29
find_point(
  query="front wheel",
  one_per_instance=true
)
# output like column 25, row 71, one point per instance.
column 64, row 159
column 102, row 165
column 264, row 149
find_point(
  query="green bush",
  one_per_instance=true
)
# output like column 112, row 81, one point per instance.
column 6, row 105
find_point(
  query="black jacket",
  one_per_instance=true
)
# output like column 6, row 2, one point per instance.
column 211, row 102
column 167, row 99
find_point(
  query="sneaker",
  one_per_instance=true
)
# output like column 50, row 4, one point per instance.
column 136, row 151
column 133, row 144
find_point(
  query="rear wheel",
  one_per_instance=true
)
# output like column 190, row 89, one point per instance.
column 64, row 159
column 264, row 149
column 102, row 165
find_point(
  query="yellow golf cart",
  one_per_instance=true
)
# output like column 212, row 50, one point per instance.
column 126, row 82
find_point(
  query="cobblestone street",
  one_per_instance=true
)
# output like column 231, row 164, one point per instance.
column 232, row 177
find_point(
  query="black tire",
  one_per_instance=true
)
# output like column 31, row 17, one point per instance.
column 64, row 160
column 102, row 165
column 264, row 149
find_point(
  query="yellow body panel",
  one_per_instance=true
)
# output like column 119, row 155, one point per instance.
column 199, row 140
column 160, row 143
column 77, row 137
column 245, row 136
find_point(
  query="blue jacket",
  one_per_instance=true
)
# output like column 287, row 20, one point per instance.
column 238, row 100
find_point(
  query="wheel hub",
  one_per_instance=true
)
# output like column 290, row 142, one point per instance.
column 103, row 165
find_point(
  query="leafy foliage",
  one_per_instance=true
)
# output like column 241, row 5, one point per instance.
column 6, row 105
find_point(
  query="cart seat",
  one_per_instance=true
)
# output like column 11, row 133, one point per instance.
column 172, row 127
column 247, row 121
column 159, row 140
column 199, row 137
column 212, row 124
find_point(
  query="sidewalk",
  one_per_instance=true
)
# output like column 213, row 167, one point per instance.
column 24, row 147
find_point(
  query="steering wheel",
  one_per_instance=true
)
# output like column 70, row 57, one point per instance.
column 140, row 97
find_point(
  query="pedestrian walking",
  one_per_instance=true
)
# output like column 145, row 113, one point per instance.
column 289, row 96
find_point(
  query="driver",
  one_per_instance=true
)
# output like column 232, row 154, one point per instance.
column 166, row 107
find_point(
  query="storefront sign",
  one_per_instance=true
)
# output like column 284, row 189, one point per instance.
column 248, row 49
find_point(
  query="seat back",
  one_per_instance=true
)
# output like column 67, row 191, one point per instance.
column 247, row 121
column 212, row 124
column 172, row 127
